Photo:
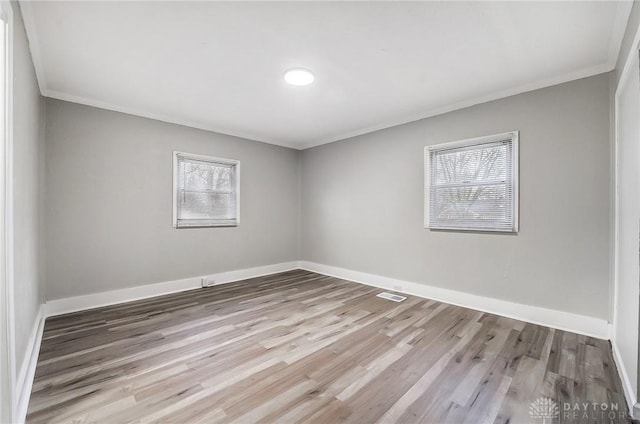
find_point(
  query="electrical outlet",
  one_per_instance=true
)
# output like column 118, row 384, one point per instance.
column 207, row 282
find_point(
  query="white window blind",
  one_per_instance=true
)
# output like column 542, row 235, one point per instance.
column 206, row 191
column 473, row 184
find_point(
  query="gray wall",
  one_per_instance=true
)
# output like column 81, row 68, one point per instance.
column 109, row 203
column 362, row 203
column 28, row 170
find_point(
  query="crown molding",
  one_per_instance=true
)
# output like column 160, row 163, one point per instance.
column 622, row 15
column 440, row 110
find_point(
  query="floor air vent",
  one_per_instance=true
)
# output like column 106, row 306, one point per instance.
column 391, row 296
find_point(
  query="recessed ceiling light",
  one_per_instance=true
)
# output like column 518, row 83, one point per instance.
column 298, row 77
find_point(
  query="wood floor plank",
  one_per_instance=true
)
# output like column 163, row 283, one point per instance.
column 300, row 347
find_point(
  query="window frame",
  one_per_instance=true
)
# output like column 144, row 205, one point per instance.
column 467, row 143
column 205, row 223
column 10, row 407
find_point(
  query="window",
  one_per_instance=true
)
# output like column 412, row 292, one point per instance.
column 206, row 191
column 473, row 184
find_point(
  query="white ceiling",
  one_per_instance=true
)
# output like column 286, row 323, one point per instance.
column 219, row 65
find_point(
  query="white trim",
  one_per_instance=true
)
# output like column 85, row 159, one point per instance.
column 8, row 203
column 634, row 49
column 6, row 225
column 610, row 331
column 624, row 376
column 162, row 117
column 174, row 189
column 95, row 300
column 616, row 38
column 486, row 139
column 624, row 75
column 595, row 70
column 580, row 324
column 569, row 322
column 440, row 110
column 28, row 368
column 28, row 17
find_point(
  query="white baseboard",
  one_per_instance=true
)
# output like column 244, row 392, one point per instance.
column 551, row 318
column 96, row 300
column 634, row 407
column 561, row 320
column 28, row 368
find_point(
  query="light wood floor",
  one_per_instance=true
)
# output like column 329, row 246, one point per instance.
column 302, row 347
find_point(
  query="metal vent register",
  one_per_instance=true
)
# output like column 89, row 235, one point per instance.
column 391, row 296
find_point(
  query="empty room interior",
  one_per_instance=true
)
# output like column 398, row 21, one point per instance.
column 319, row 212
